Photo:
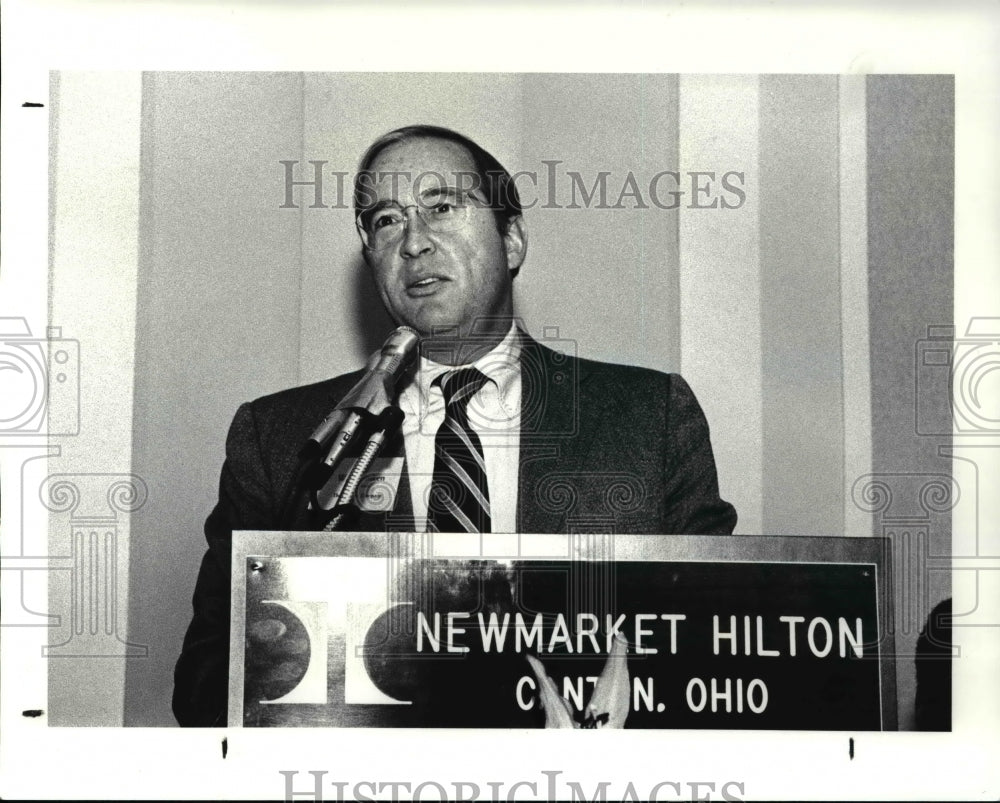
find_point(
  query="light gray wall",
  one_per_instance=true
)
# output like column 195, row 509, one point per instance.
column 217, row 320
column 800, row 280
column 605, row 278
column 911, row 181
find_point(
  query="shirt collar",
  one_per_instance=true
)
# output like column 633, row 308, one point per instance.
column 500, row 365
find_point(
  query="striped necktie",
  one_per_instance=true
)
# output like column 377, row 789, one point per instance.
column 459, row 498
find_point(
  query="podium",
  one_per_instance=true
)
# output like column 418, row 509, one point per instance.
column 434, row 630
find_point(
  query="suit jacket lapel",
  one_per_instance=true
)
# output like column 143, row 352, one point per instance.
column 551, row 384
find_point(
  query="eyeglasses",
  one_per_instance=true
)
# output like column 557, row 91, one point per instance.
column 384, row 226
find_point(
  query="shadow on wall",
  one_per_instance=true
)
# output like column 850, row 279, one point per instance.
column 375, row 325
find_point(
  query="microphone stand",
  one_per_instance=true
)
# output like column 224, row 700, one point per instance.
column 386, row 423
column 313, row 472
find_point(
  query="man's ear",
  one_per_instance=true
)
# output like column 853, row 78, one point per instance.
column 516, row 243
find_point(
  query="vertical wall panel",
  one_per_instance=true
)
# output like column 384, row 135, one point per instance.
column 803, row 429
column 94, row 254
column 720, row 284
column 217, row 324
column 854, row 299
column 911, row 173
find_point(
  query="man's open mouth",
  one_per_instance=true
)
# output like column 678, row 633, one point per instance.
column 427, row 285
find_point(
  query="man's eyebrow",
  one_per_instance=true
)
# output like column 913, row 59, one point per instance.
column 430, row 194
column 378, row 206
column 433, row 193
column 437, row 192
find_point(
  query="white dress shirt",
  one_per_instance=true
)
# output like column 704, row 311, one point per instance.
column 494, row 414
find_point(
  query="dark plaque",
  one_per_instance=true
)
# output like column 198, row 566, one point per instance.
column 758, row 633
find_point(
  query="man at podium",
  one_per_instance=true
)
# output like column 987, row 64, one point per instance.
column 499, row 432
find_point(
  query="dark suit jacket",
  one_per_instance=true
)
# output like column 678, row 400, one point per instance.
column 604, row 448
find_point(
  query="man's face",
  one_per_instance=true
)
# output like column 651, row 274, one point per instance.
column 442, row 280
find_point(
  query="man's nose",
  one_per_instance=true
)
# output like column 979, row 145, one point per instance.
column 416, row 239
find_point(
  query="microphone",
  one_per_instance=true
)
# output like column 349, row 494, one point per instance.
column 369, row 397
column 377, row 387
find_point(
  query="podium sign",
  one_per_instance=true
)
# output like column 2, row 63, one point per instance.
column 435, row 630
